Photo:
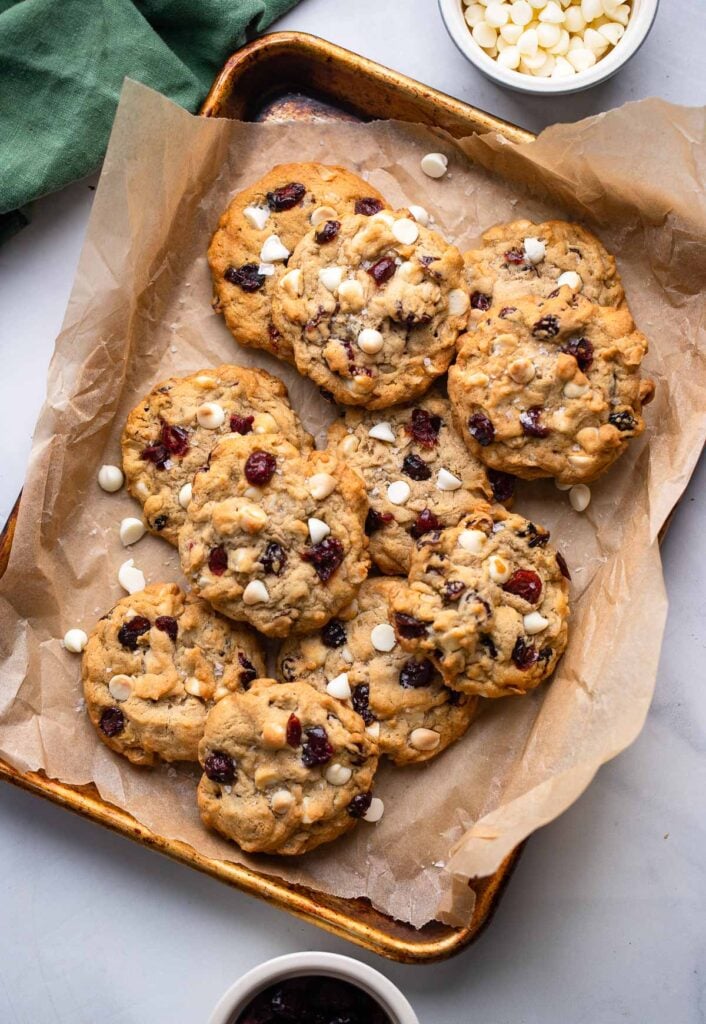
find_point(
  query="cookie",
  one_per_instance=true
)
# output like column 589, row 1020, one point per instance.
column 372, row 307
column 155, row 664
column 523, row 258
column 418, row 474
column 551, row 387
column 258, row 231
column 487, row 603
column 285, row 768
column 169, row 435
column 403, row 701
column 273, row 537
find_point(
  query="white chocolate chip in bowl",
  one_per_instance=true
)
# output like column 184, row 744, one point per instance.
column 318, row 529
column 130, row 577
column 339, row 687
column 382, row 637
column 256, row 593
column 75, row 640
column 210, row 415
column 110, row 478
column 382, row 432
column 405, row 231
column 434, row 165
column 398, row 492
column 131, row 530
column 320, row 485
column 120, row 687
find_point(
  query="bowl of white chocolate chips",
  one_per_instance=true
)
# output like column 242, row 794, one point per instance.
column 548, row 46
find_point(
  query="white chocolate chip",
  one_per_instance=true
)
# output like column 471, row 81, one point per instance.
column 263, row 423
column 591, row 9
column 613, row 32
column 256, row 593
column 562, row 487
column 574, row 390
column 339, row 687
column 446, row 481
column 131, row 578
column 535, row 250
column 347, row 655
column 497, row 14
column 458, row 302
column 337, row 774
column 375, row 811
column 110, row 478
column 420, row 214
column 204, row 381
column 256, row 216
column 193, row 687
column 266, row 269
column 384, row 217
column 580, row 461
column 485, row 35
column 424, row 739
column 552, row 13
column 562, row 68
column 382, row 637
column 498, row 569
column 522, row 370
column 580, row 497
column 398, row 492
column 472, row 540
column 211, row 415
column 373, row 730
column 242, row 559
column 273, row 251
column 478, row 380
column 570, row 279
column 509, row 57
column 318, row 530
column 253, row 518
column 520, row 12
column 75, row 640
column 582, row 58
column 281, row 801
column 511, row 33
column 349, row 444
column 351, row 292
column 382, row 432
column 220, row 692
column 548, row 35
column 120, row 687
column 320, row 485
column 185, row 494
column 474, row 14
column 131, row 530
column 534, row 623
column 527, row 46
column 293, row 282
column 321, row 214
column 434, row 165
column 405, row 231
column 274, row 735
column 370, row 340
column 331, row 277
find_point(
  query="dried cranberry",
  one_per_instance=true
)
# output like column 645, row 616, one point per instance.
column 274, row 558
column 515, row 256
column 368, row 206
column 502, row 484
column 479, row 300
column 545, row 653
column 481, row 429
column 375, row 521
column 112, row 722
column 325, row 557
column 524, row 654
column 317, row 749
column 219, row 767
column 361, row 703
column 294, row 731
column 538, row 536
column 546, row 327
column 218, row 560
column 525, row 584
column 506, row 311
column 327, row 232
column 249, row 673
column 333, row 634
column 409, row 627
column 155, row 453
column 453, row 698
column 241, row 424
column 286, row 197
column 382, row 270
column 563, row 567
column 424, row 427
column 168, row 625
column 415, row 468
column 247, row 277
column 160, row 522
column 487, row 642
column 260, row 467
column 416, row 673
column 360, row 805
column 175, row 439
column 453, row 590
column 424, row 523
column 582, row 351
column 129, row 631
column 622, row 420
column 531, row 422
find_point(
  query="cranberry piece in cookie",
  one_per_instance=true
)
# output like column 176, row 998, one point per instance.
column 260, row 468
column 131, row 630
column 219, row 767
column 368, row 206
column 287, row 196
column 325, row 557
column 247, row 277
column 526, row 584
column 112, row 722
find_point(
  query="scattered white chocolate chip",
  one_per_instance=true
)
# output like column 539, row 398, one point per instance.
column 534, row 623
column 351, row 292
column 382, row 432
column 446, row 481
column 420, row 214
column 131, row 530
column 293, row 282
column 130, row 577
column 458, row 302
column 273, row 251
column 75, row 640
column 210, row 415
column 318, row 530
column 370, row 341
column 382, row 637
column 472, row 540
column 185, row 495
column 320, row 485
column 110, row 478
column 321, row 214
column 281, row 801
column 339, row 687
column 535, row 250
column 274, row 735
column 580, row 497
column 562, row 487
column 331, row 277
column 193, row 687
column 405, row 231
column 256, row 216
column 424, row 739
column 498, row 569
column 434, row 165
column 373, row 730
column 398, row 492
column 375, row 811
column 120, row 687
column 570, row 279
column 337, row 774
column 255, row 593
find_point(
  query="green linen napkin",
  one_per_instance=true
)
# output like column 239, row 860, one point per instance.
column 62, row 65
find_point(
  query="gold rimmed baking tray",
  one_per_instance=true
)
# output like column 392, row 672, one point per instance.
column 292, row 76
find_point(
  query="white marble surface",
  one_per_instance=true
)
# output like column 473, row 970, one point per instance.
column 604, row 920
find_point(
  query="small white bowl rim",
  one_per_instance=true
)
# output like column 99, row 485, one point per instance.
column 641, row 21
column 332, row 965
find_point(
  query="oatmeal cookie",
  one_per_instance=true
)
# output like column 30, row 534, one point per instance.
column 285, row 768
column 153, row 667
column 258, row 231
column 487, row 603
column 274, row 537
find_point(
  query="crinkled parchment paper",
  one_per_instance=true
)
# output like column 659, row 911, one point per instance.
column 141, row 310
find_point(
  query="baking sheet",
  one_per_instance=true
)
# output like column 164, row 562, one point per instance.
column 140, row 311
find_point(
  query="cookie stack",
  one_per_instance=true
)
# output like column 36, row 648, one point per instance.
column 402, row 585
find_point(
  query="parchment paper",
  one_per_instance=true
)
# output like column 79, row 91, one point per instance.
column 140, row 311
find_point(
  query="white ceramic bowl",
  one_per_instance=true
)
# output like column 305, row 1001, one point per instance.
column 638, row 27
column 330, row 965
